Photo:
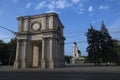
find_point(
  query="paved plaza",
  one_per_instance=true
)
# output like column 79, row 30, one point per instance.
column 69, row 72
column 69, row 68
column 58, row 75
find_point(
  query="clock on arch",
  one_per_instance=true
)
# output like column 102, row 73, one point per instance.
column 36, row 26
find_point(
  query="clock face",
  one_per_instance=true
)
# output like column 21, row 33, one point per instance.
column 35, row 26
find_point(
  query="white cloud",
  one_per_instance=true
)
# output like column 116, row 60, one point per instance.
column 90, row 9
column 51, row 6
column 81, row 11
column 40, row 5
column 80, row 5
column 79, row 8
column 102, row 7
column 55, row 5
column 15, row 1
column 61, row 4
column 28, row 5
column 50, row 11
column 75, row 1
column 85, row 0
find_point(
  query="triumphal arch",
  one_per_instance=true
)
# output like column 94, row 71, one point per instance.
column 40, row 42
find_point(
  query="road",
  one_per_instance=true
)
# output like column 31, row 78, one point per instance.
column 51, row 75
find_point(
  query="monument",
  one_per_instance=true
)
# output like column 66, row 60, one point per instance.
column 40, row 42
column 77, row 58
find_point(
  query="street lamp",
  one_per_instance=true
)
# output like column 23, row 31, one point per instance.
column 8, row 30
column 10, row 55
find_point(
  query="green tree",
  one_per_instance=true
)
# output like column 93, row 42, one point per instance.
column 100, row 45
column 4, row 53
column 67, row 58
column 12, row 50
column 7, row 52
column 116, row 51
column 94, row 49
column 106, row 44
column 1, row 49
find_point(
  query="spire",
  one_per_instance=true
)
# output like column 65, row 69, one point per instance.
column 102, row 22
column 103, row 25
column 103, row 28
column 91, row 26
column 75, row 43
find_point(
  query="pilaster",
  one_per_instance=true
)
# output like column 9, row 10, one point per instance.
column 24, row 62
column 26, row 24
column 20, row 25
column 44, row 25
column 43, row 53
column 51, row 61
column 56, row 53
column 62, row 54
column 51, row 22
column 17, row 63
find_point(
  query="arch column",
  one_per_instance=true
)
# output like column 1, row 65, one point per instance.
column 43, row 53
column 24, row 62
column 51, row 61
column 17, row 61
column 56, row 53
column 62, row 54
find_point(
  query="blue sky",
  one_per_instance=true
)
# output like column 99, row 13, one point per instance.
column 76, row 16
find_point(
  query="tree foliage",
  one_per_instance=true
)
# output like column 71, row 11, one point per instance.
column 67, row 59
column 100, row 45
column 107, row 45
column 7, row 52
column 12, row 50
column 4, row 53
column 94, row 49
column 116, row 50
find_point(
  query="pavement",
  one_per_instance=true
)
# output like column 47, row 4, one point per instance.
column 69, row 72
column 51, row 75
column 68, row 68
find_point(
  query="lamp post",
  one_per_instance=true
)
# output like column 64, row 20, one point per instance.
column 10, row 56
column 8, row 30
column 14, row 33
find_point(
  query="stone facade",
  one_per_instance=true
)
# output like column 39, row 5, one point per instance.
column 40, row 42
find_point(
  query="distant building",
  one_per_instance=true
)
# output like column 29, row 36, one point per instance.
column 77, row 58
